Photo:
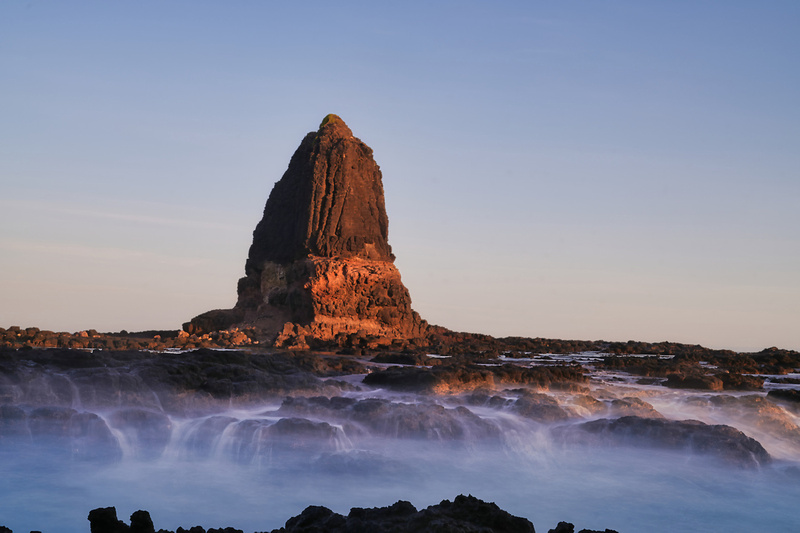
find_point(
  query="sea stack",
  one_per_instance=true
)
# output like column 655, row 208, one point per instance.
column 320, row 269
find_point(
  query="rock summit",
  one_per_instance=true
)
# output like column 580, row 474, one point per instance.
column 320, row 268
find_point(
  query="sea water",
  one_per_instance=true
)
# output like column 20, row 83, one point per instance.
column 216, row 470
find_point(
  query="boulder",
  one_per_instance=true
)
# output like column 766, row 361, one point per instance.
column 722, row 442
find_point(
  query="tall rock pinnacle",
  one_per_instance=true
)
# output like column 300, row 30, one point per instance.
column 320, row 268
column 329, row 203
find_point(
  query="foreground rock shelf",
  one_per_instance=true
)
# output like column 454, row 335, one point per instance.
column 463, row 514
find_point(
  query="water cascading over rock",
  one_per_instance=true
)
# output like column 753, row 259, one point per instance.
column 320, row 268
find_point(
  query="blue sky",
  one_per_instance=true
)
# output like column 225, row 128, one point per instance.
column 587, row 170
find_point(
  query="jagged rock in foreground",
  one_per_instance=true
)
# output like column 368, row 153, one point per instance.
column 465, row 514
column 320, row 267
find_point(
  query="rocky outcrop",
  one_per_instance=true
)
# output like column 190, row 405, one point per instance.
column 320, row 268
column 458, row 378
column 464, row 513
column 381, row 417
column 722, row 442
column 16, row 337
column 104, row 520
column 143, row 384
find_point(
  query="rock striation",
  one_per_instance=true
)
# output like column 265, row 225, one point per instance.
column 320, row 268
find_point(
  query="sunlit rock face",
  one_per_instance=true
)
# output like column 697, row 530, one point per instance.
column 320, row 267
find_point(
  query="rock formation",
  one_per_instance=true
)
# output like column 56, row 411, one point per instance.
column 464, row 513
column 320, row 268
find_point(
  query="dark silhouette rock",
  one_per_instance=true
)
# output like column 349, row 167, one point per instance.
column 320, row 267
column 104, row 520
column 463, row 514
column 141, row 522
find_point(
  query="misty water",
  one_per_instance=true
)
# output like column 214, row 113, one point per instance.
column 254, row 465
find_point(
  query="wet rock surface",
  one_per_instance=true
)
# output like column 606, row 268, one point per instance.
column 722, row 442
column 306, row 414
column 161, row 381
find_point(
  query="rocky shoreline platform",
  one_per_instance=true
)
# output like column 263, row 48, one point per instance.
column 322, row 384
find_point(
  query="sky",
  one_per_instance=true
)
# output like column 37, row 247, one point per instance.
column 589, row 170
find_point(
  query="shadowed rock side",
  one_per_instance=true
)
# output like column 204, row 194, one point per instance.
column 463, row 514
column 329, row 203
column 320, row 267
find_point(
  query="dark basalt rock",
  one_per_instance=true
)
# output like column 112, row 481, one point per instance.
column 452, row 378
column 142, row 523
column 104, row 520
column 694, row 381
column 726, row 443
column 787, row 395
column 464, row 514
